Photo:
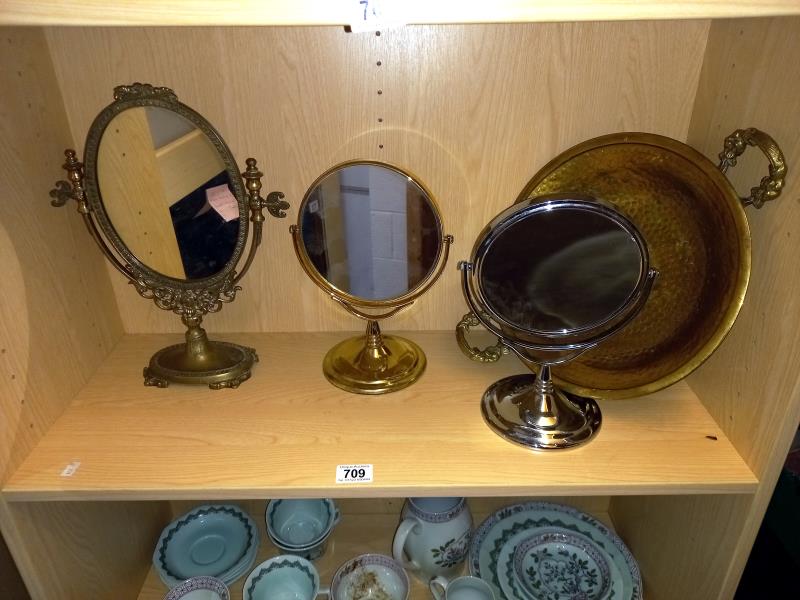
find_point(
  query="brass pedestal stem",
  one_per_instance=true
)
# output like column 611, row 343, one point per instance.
column 374, row 363
column 200, row 361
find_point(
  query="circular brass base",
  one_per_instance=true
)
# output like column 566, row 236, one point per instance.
column 225, row 365
column 349, row 365
column 509, row 407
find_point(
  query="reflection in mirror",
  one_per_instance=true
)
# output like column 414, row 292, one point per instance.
column 167, row 193
column 371, row 232
column 560, row 270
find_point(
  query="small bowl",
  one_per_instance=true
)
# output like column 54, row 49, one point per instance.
column 283, row 577
column 200, row 588
column 367, row 575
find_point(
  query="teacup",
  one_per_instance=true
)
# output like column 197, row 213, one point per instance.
column 199, row 588
column 300, row 523
column 283, row 577
column 370, row 577
column 309, row 553
column 463, row 588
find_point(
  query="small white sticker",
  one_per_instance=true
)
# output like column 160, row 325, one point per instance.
column 354, row 474
column 70, row 469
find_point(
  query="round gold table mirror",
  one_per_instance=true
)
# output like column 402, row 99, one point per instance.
column 161, row 195
column 371, row 236
column 552, row 277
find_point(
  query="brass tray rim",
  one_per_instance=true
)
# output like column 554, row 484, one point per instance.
column 745, row 246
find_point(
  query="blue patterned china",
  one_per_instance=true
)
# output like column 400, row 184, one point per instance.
column 283, row 578
column 300, row 523
column 555, row 564
column 491, row 536
column 199, row 588
column 370, row 577
column 215, row 540
column 433, row 536
column 462, row 588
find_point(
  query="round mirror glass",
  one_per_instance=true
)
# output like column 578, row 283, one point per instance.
column 370, row 231
column 560, row 268
column 167, row 192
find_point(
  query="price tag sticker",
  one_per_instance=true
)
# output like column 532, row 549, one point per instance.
column 354, row 474
column 70, row 469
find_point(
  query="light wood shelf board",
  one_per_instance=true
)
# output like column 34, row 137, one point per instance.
column 356, row 534
column 344, row 12
column 283, row 432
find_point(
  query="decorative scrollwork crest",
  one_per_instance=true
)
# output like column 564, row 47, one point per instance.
column 61, row 194
column 276, row 205
column 143, row 90
column 188, row 303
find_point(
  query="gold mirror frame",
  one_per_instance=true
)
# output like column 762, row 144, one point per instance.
column 373, row 363
column 198, row 361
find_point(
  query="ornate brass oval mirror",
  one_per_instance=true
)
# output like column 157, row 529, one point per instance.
column 552, row 277
column 371, row 236
column 160, row 187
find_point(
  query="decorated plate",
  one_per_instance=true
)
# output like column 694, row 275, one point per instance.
column 490, row 537
column 215, row 540
column 556, row 564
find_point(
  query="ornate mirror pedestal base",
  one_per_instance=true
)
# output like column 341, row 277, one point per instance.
column 373, row 363
column 532, row 413
column 200, row 361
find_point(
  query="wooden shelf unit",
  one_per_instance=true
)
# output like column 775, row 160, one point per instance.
column 474, row 110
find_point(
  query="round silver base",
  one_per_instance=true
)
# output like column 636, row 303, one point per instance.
column 516, row 411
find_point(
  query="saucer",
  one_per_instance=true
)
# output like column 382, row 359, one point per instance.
column 215, row 540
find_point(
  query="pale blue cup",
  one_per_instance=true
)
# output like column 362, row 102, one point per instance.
column 283, row 577
column 462, row 588
column 301, row 527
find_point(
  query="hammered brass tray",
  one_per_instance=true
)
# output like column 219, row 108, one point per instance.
column 699, row 240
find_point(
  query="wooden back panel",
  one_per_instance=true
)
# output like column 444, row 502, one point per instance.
column 473, row 111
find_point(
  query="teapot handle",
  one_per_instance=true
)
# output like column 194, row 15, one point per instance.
column 771, row 185
column 398, row 545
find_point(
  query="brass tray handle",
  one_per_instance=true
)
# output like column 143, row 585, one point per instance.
column 487, row 355
column 771, row 185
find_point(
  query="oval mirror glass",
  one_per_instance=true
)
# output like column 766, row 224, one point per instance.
column 167, row 192
column 560, row 268
column 371, row 232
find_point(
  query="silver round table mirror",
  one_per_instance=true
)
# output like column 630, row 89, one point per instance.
column 551, row 278
column 371, row 236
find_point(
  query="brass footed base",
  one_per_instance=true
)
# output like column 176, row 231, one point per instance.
column 200, row 361
column 373, row 363
column 532, row 413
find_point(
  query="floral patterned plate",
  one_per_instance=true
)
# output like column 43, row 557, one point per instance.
column 556, row 564
column 490, row 537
